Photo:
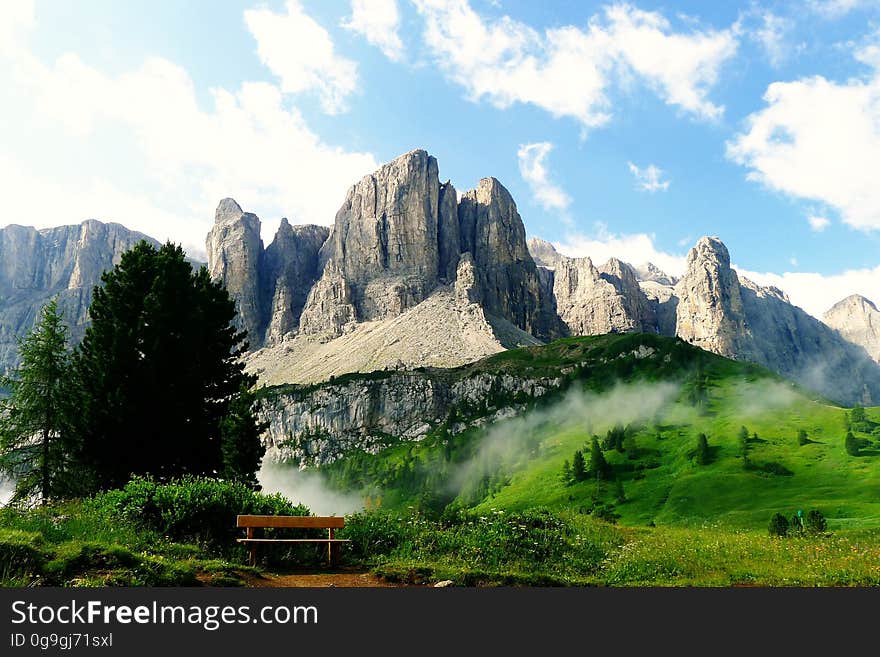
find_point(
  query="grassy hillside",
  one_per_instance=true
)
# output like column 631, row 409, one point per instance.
column 662, row 394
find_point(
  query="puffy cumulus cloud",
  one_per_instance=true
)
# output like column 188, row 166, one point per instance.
column 636, row 249
column 181, row 158
column 378, row 21
column 533, row 169
column 819, row 140
column 648, row 179
column 569, row 70
column 816, row 293
column 302, row 54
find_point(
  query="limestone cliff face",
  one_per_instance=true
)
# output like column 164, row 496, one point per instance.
column 734, row 317
column 385, row 241
column 493, row 233
column 710, row 310
column 858, row 321
column 292, row 266
column 400, row 234
column 318, row 425
column 64, row 262
column 235, row 256
column 593, row 301
column 270, row 286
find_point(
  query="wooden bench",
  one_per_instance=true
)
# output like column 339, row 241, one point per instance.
column 330, row 523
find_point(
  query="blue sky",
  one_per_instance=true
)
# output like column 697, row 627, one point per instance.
column 624, row 129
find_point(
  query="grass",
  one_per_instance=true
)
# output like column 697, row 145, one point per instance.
column 488, row 550
column 77, row 544
column 663, row 484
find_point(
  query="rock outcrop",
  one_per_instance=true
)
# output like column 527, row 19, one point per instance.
column 710, row 311
column 400, row 234
column 493, row 233
column 734, row 317
column 385, row 243
column 292, row 266
column 235, row 255
column 317, row 425
column 270, row 286
column 593, row 301
column 64, row 262
column 858, row 321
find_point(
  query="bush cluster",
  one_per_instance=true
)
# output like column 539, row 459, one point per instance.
column 812, row 524
column 195, row 509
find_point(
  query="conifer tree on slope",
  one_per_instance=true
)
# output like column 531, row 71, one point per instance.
column 159, row 368
column 35, row 420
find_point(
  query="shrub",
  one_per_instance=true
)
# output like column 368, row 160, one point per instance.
column 704, row 456
column 815, row 522
column 851, row 443
column 193, row 509
column 20, row 554
column 778, row 525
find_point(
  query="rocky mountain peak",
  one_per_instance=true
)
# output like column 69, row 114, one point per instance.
column 710, row 309
column 649, row 272
column 227, row 210
column 235, row 252
column 858, row 321
column 543, row 252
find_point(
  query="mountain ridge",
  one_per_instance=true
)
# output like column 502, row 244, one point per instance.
column 451, row 278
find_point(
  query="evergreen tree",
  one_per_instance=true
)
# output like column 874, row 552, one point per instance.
column 851, row 443
column 857, row 414
column 703, row 454
column 630, row 447
column 35, row 436
column 599, row 468
column 815, row 523
column 778, row 525
column 567, row 474
column 802, row 437
column 578, row 467
column 159, row 370
column 619, row 492
column 240, row 444
column 743, row 438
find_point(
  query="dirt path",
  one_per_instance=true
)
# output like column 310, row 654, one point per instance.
column 347, row 579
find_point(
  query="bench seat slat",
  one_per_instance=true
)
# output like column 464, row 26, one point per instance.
column 301, row 522
column 293, row 540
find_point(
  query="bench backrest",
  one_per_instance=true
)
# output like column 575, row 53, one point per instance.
column 300, row 522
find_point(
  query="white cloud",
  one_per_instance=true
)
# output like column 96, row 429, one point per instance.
column 378, row 21
column 636, row 249
column 838, row 8
column 817, row 223
column 772, row 34
column 533, row 170
column 178, row 158
column 819, row 140
column 648, row 178
column 568, row 71
column 301, row 53
column 816, row 293
column 16, row 18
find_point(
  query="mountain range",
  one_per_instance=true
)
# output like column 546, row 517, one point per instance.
column 414, row 274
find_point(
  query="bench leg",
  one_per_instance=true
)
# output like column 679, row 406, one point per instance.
column 252, row 547
column 332, row 549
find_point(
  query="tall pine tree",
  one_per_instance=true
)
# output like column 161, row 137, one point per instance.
column 161, row 376
column 35, row 435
